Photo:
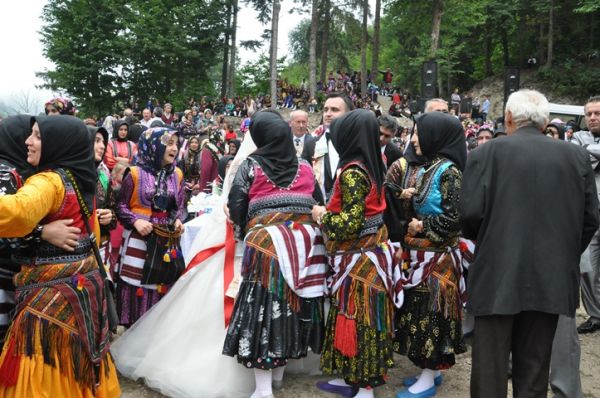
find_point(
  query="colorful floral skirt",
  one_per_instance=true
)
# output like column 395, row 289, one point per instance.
column 359, row 336
column 57, row 345
column 270, row 323
column 428, row 326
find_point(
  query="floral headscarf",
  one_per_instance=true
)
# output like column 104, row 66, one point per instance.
column 64, row 106
column 151, row 150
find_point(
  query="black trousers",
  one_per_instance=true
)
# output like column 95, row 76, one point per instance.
column 528, row 335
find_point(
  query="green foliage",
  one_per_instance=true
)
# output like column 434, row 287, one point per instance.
column 109, row 52
column 571, row 78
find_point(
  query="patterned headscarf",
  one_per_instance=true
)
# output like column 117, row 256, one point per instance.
column 151, row 151
column 64, row 106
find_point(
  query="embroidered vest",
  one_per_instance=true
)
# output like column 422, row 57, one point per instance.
column 374, row 202
column 428, row 200
column 265, row 196
column 139, row 203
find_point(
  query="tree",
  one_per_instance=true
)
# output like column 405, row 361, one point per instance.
column 273, row 53
column 376, row 33
column 312, row 61
column 232, row 62
column 363, row 48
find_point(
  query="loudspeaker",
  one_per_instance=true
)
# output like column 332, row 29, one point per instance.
column 429, row 80
column 511, row 82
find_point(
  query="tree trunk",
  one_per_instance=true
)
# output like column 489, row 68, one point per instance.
column 226, row 54
column 487, row 51
column 232, row 60
column 312, row 51
column 273, row 60
column 435, row 28
column 541, row 46
column 550, row 35
column 325, row 40
column 505, row 48
column 363, row 49
column 376, row 33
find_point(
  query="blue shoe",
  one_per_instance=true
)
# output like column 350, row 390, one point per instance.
column 409, row 381
column 344, row 391
column 430, row 392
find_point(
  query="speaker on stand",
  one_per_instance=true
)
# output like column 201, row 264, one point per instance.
column 512, row 81
column 429, row 87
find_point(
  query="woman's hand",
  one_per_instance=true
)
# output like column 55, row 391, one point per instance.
column 179, row 227
column 407, row 193
column 317, row 213
column 415, row 227
column 61, row 234
column 143, row 227
column 105, row 216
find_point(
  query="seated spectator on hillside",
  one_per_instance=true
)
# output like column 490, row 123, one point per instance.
column 167, row 117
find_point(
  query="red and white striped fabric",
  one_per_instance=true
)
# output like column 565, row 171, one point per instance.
column 133, row 257
column 302, row 258
column 421, row 265
column 467, row 250
column 383, row 259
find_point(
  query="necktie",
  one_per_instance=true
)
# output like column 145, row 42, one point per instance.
column 297, row 140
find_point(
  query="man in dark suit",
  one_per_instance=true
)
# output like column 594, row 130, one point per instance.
column 303, row 142
column 387, row 131
column 531, row 204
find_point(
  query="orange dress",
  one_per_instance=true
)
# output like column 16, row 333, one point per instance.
column 57, row 344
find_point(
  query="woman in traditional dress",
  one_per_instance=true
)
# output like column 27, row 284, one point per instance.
column 172, row 347
column 107, row 217
column 57, row 344
column 190, row 165
column 212, row 150
column 429, row 321
column 120, row 148
column 278, row 311
column 359, row 336
column 151, row 197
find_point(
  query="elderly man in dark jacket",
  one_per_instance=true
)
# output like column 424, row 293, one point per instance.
column 531, row 204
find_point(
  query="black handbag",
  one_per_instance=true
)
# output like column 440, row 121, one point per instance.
column 164, row 261
column 109, row 287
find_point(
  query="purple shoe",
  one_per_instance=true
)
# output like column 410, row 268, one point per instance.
column 344, row 391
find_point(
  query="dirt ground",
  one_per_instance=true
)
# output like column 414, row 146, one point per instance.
column 456, row 380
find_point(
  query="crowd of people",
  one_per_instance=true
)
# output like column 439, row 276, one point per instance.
column 355, row 241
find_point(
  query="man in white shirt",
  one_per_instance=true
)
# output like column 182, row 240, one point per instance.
column 326, row 158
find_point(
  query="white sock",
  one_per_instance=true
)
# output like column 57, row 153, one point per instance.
column 364, row 393
column 278, row 373
column 338, row 382
column 263, row 383
column 424, row 381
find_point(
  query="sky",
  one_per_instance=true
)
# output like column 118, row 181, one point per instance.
column 22, row 50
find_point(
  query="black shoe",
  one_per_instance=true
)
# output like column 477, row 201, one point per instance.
column 588, row 326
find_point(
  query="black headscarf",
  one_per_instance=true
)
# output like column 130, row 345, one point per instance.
column 275, row 154
column 93, row 131
column 237, row 144
column 442, row 134
column 116, row 128
column 14, row 130
column 222, row 166
column 410, row 154
column 355, row 136
column 67, row 144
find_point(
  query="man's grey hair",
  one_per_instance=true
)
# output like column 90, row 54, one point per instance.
column 388, row 122
column 528, row 108
column 429, row 102
column 297, row 112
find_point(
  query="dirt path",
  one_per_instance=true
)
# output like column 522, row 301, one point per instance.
column 456, row 380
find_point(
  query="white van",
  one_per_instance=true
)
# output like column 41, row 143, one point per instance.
column 568, row 112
